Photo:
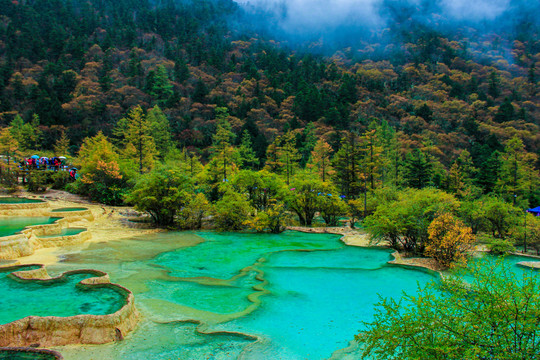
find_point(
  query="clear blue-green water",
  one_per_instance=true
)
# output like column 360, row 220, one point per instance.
column 69, row 209
column 12, row 225
column 19, row 299
column 65, row 232
column 17, row 200
column 303, row 296
column 25, row 355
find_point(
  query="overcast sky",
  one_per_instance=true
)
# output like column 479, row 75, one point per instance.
column 312, row 15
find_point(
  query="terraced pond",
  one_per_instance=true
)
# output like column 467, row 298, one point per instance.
column 301, row 295
column 12, row 225
column 18, row 200
column 65, row 232
column 61, row 297
column 250, row 296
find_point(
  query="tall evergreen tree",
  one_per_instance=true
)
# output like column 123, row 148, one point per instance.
column 224, row 158
column 346, row 164
column 518, row 177
column 320, row 159
column 160, row 130
column 138, row 140
column 418, row 170
column 247, row 154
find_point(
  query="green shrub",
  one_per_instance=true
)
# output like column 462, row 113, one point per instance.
column 191, row 215
column 9, row 181
column 38, row 181
column 60, row 179
column 231, row 212
column 497, row 246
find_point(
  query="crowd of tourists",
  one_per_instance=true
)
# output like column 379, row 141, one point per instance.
column 55, row 163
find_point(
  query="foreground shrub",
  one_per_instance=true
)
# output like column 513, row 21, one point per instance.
column 60, row 179
column 493, row 316
column 161, row 193
column 497, row 246
column 104, row 184
column 231, row 211
column 38, row 181
column 191, row 216
column 274, row 219
column 449, row 240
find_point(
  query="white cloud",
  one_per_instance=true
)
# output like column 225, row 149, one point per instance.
column 474, row 9
column 314, row 15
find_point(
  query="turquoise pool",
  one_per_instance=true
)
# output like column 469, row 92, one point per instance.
column 70, row 209
column 303, row 296
column 12, row 225
column 26, row 354
column 65, row 232
column 63, row 297
column 17, row 200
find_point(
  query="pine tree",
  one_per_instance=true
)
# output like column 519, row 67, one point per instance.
column 61, row 147
column 139, row 143
column 160, row 130
column 418, row 169
column 247, row 154
column 224, row 156
column 288, row 154
column 282, row 156
column 371, row 157
column 462, row 176
column 320, row 159
column 518, row 177
column 9, row 146
column 390, row 159
column 489, row 172
column 159, row 86
column 346, row 164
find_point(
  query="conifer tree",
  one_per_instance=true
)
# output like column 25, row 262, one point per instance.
column 160, row 130
column 418, row 169
column 489, row 172
column 371, row 157
column 62, row 145
column 9, row 146
column 27, row 134
column 158, row 84
column 346, row 165
column 518, row 177
column 282, row 156
column 390, row 159
column 247, row 154
column 139, row 143
column 462, row 175
column 288, row 154
column 320, row 159
column 224, row 159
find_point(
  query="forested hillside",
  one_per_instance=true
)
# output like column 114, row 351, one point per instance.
column 444, row 106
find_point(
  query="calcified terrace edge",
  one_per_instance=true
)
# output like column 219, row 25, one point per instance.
column 30, row 350
column 79, row 329
column 28, row 240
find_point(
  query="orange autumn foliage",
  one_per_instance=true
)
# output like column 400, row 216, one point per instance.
column 449, row 240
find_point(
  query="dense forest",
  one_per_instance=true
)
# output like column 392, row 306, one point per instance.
column 409, row 105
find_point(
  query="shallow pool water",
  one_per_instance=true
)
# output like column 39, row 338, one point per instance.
column 65, row 232
column 17, row 200
column 303, row 296
column 64, row 297
column 23, row 355
column 12, row 225
column 69, row 209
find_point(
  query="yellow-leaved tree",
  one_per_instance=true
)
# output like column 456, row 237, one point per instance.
column 449, row 240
